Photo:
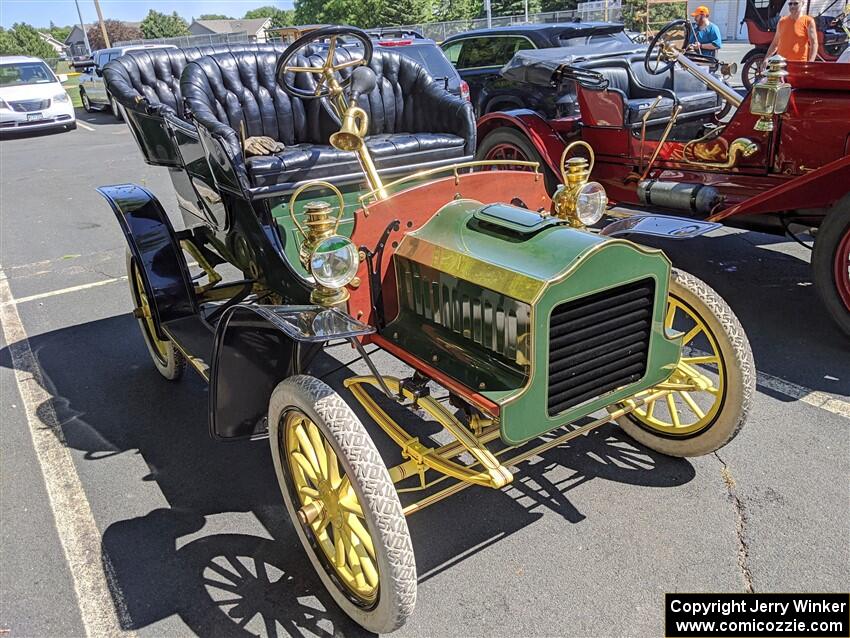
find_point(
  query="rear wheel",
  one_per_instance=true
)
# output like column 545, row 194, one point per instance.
column 169, row 361
column 343, row 505
column 751, row 69
column 831, row 265
column 84, row 98
column 511, row 145
column 713, row 383
column 116, row 111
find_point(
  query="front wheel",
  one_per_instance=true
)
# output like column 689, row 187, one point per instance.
column 712, row 387
column 831, row 265
column 343, row 505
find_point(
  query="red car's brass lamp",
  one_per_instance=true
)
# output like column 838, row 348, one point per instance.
column 770, row 95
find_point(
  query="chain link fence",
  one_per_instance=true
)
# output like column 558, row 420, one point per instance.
column 186, row 41
column 601, row 10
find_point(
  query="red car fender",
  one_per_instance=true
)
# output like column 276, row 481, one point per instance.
column 548, row 142
column 820, row 188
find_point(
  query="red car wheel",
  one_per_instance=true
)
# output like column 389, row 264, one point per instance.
column 831, row 263
column 511, row 145
column 506, row 152
column 842, row 270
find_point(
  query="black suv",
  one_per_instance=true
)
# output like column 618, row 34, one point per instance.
column 480, row 54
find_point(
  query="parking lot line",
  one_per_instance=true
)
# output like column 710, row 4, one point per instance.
column 85, row 126
column 62, row 291
column 100, row 600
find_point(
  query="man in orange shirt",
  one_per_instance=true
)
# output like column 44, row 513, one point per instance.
column 796, row 36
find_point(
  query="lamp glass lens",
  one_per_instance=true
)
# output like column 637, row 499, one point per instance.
column 334, row 262
column 591, row 203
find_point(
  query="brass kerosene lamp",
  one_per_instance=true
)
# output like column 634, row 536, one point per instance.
column 771, row 94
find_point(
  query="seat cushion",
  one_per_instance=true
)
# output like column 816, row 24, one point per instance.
column 319, row 161
column 693, row 105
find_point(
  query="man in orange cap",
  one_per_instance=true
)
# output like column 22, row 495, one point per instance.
column 708, row 40
column 796, row 36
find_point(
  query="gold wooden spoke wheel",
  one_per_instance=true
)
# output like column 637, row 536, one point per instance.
column 342, row 502
column 330, row 508
column 143, row 312
column 697, row 384
column 169, row 362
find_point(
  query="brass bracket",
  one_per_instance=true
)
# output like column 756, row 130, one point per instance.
column 493, row 473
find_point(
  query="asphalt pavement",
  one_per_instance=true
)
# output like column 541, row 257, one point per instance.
column 118, row 513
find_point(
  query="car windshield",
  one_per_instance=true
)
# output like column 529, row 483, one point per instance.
column 21, row 73
column 430, row 57
column 582, row 40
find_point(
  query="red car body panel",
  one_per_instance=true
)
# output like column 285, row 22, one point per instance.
column 802, row 164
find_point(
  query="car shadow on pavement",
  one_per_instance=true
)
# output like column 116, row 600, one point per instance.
column 110, row 402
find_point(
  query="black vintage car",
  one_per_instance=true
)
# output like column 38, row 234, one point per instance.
column 479, row 55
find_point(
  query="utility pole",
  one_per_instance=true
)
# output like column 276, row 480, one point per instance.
column 489, row 11
column 83, row 27
column 102, row 25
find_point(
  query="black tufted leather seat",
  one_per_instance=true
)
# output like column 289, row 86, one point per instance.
column 639, row 88
column 413, row 121
column 148, row 80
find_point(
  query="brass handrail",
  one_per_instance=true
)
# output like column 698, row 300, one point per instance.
column 454, row 168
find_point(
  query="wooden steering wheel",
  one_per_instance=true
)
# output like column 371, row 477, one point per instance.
column 329, row 80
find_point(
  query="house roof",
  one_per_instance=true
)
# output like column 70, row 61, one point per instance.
column 253, row 25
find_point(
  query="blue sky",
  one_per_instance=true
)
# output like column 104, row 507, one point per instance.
column 62, row 12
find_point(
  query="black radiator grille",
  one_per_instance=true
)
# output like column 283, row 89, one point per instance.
column 599, row 343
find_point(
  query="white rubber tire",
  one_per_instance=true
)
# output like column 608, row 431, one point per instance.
column 737, row 359
column 173, row 364
column 378, row 498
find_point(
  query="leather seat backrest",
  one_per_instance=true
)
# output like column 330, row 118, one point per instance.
column 241, row 87
column 154, row 74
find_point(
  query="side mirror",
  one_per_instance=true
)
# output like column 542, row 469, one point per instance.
column 63, row 77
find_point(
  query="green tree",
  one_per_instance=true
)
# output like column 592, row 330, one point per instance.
column 23, row 39
column 444, row 10
column 635, row 18
column 161, row 25
column 60, row 33
column 558, row 5
column 401, row 12
column 116, row 30
column 214, row 16
column 280, row 17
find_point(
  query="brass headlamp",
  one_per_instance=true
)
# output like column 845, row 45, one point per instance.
column 771, row 94
column 331, row 258
column 577, row 200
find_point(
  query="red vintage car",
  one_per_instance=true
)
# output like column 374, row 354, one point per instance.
column 780, row 164
column 761, row 19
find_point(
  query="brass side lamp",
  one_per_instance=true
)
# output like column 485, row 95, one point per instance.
column 578, row 201
column 771, row 94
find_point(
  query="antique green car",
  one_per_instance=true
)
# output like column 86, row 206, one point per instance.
column 537, row 329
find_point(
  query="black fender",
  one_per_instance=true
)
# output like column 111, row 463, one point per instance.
column 256, row 347
column 156, row 249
